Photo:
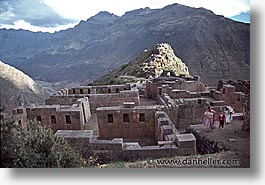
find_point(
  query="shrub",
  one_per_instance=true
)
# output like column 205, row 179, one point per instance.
column 35, row 146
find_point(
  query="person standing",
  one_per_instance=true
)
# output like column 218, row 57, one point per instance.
column 213, row 112
column 221, row 118
column 208, row 117
column 228, row 116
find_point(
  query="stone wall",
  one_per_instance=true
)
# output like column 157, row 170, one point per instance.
column 127, row 146
column 191, row 111
column 184, row 112
column 176, row 93
column 104, row 89
column 55, row 116
column 234, row 93
column 113, row 124
column 84, row 105
column 240, row 85
column 20, row 115
column 216, row 95
column 116, row 99
column 171, row 108
column 206, row 145
column 46, row 113
column 165, row 130
column 97, row 100
column 233, row 98
column 62, row 99
column 151, row 90
column 118, row 150
column 194, row 86
column 174, row 83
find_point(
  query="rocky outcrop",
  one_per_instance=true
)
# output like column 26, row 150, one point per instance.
column 163, row 59
column 212, row 46
column 18, row 88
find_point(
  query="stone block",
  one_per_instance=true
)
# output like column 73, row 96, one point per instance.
column 131, row 146
column 129, row 104
column 167, row 129
column 160, row 114
column 238, row 116
column 205, row 93
column 163, row 121
column 163, row 143
column 186, row 140
column 190, row 101
column 217, row 103
column 170, row 137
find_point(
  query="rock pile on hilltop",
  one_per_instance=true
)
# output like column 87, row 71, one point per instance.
column 162, row 59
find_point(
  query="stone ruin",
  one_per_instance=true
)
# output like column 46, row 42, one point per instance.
column 126, row 128
column 58, row 117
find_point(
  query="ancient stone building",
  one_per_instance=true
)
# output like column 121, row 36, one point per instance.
column 57, row 117
column 169, row 142
column 126, row 128
column 99, row 96
column 231, row 97
column 184, row 111
column 130, row 122
column 191, row 84
column 103, row 89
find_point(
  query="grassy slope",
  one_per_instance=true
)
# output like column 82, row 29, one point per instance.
column 133, row 68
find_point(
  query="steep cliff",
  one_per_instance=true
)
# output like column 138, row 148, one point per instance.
column 17, row 88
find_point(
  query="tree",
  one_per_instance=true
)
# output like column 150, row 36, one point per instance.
column 35, row 146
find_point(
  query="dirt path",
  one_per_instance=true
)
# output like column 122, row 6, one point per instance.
column 232, row 137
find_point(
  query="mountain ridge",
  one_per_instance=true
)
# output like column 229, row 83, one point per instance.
column 213, row 47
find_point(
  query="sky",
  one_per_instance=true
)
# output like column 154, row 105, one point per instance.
column 55, row 15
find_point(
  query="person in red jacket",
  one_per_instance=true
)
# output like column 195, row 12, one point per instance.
column 221, row 118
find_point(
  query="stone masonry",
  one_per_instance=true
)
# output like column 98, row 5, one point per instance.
column 168, row 141
column 56, row 117
column 128, row 130
column 130, row 122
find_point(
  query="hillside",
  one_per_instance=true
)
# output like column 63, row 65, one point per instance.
column 212, row 46
column 17, row 88
column 150, row 63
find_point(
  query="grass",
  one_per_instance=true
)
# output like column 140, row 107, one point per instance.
column 155, row 162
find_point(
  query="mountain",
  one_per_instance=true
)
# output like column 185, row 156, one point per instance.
column 212, row 46
column 17, row 88
column 154, row 62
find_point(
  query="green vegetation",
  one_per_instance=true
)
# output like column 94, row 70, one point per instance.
column 35, row 146
column 118, row 76
column 152, row 62
column 135, row 71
